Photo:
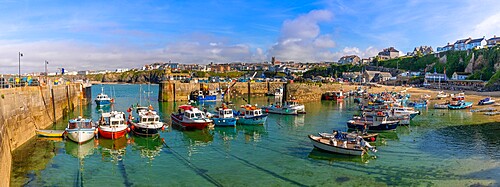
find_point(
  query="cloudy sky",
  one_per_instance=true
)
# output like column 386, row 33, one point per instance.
column 94, row 35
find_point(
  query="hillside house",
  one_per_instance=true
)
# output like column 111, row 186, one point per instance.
column 422, row 50
column 460, row 76
column 493, row 41
column 349, row 59
column 388, row 53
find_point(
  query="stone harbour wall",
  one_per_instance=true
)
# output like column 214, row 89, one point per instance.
column 25, row 109
column 304, row 92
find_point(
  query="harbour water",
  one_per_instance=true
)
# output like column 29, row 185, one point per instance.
column 440, row 147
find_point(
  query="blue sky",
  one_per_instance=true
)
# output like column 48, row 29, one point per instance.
column 121, row 34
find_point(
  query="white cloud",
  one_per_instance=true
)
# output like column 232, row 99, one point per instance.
column 301, row 39
column 488, row 27
column 71, row 55
column 368, row 52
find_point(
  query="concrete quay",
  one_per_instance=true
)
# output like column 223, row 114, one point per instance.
column 25, row 109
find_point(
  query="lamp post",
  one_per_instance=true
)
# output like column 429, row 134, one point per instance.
column 46, row 74
column 20, row 55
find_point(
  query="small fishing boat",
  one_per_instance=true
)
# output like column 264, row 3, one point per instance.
column 442, row 95
column 112, row 125
column 278, row 109
column 460, row 104
column 206, row 96
column 80, row 130
column 405, row 111
column 458, row 97
column 103, row 99
column 148, row 123
column 369, row 137
column 379, row 122
column 251, row 115
column 342, row 144
column 486, row 101
column 277, row 92
column 333, row 95
column 224, row 117
column 50, row 133
column 418, row 104
column 442, row 105
column 190, row 117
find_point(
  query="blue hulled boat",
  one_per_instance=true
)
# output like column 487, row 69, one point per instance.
column 224, row 117
column 103, row 99
column 251, row 115
column 460, row 104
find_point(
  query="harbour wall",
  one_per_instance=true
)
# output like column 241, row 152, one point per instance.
column 304, row 92
column 25, row 109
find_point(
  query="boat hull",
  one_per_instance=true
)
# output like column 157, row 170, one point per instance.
column 80, row 135
column 463, row 106
column 335, row 149
column 102, row 102
column 225, row 122
column 282, row 111
column 380, row 127
column 256, row 120
column 146, row 129
column 177, row 120
column 112, row 133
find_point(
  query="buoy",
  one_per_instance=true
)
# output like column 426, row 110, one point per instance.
column 128, row 129
column 96, row 131
column 163, row 127
column 133, row 127
column 372, row 139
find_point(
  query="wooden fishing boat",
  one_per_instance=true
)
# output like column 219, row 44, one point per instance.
column 251, row 115
column 333, row 95
column 378, row 122
column 50, row 133
column 224, row 117
column 112, row 125
column 442, row 95
column 148, row 123
column 80, row 130
column 442, row 105
column 103, row 99
column 341, row 144
column 190, row 117
column 460, row 104
column 486, row 101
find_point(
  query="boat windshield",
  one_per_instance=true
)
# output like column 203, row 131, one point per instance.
column 198, row 115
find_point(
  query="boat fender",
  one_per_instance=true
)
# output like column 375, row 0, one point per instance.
column 96, row 131
column 128, row 129
column 133, row 127
column 163, row 127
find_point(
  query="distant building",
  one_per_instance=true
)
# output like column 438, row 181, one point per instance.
column 423, row 50
column 435, row 77
column 83, row 72
column 388, row 53
column 464, row 44
column 493, row 41
column 447, row 47
column 366, row 60
column 350, row 59
column 460, row 76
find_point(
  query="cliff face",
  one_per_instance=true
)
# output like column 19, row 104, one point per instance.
column 132, row 77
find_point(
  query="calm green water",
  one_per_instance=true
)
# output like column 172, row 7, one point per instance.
column 440, row 148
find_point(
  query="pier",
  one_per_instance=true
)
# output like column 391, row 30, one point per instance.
column 25, row 109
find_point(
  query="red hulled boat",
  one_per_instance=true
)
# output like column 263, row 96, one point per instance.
column 112, row 125
column 190, row 117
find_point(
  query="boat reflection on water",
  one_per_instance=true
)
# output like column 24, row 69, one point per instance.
column 198, row 137
column 294, row 120
column 149, row 147
column 80, row 150
column 113, row 150
column 332, row 158
column 252, row 132
column 226, row 133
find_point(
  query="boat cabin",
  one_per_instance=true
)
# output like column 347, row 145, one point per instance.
column 150, row 116
column 102, row 97
column 251, row 113
column 292, row 102
column 194, row 113
column 113, row 118
column 226, row 113
column 80, row 123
